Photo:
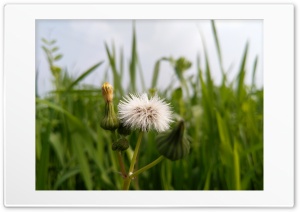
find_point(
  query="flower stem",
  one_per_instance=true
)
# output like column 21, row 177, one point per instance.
column 122, row 166
column 133, row 161
column 119, row 155
column 150, row 165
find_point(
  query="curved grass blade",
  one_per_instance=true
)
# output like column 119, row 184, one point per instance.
column 75, row 120
column 82, row 76
column 66, row 176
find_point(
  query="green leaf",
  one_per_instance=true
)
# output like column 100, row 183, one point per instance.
column 52, row 42
column 45, row 41
column 58, row 57
column 46, row 50
column 54, row 49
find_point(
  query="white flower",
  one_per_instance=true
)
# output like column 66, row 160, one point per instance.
column 139, row 112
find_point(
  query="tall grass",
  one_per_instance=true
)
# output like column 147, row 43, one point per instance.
column 224, row 123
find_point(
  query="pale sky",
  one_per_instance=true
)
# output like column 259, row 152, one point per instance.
column 82, row 44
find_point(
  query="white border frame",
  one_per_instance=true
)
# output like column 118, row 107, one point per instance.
column 19, row 87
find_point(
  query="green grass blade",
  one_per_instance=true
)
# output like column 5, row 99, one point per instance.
column 116, row 75
column 82, row 159
column 65, row 177
column 42, row 166
column 155, row 74
column 82, row 76
column 141, row 74
column 209, row 81
column 121, row 63
column 207, row 181
column 218, row 46
column 223, row 131
column 79, row 92
column 36, row 83
column 254, row 71
column 55, row 141
column 236, row 161
column 242, row 73
column 132, row 68
column 74, row 119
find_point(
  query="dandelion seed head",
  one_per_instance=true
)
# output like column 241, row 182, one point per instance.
column 140, row 112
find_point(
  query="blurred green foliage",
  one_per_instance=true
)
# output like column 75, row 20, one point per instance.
column 224, row 124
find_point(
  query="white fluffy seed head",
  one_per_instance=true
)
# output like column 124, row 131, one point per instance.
column 140, row 112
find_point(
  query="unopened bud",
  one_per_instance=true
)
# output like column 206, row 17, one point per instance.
column 173, row 144
column 108, row 92
column 124, row 130
column 110, row 120
column 120, row 145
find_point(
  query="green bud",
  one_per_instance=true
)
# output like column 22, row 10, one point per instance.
column 115, row 146
column 182, row 64
column 110, row 120
column 121, row 145
column 173, row 144
column 124, row 130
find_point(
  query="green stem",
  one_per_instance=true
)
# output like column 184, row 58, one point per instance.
column 121, row 163
column 133, row 161
column 150, row 165
column 119, row 155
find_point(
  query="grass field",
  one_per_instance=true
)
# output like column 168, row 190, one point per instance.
column 224, row 123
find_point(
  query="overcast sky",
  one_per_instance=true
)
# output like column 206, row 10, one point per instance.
column 82, row 44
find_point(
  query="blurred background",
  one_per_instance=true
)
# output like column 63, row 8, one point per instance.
column 210, row 72
column 82, row 42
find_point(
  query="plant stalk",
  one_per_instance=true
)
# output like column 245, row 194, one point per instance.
column 119, row 155
column 133, row 161
column 122, row 166
column 145, row 168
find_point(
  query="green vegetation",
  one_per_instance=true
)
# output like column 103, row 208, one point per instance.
column 224, row 125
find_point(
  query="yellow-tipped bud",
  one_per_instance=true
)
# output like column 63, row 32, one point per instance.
column 108, row 92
